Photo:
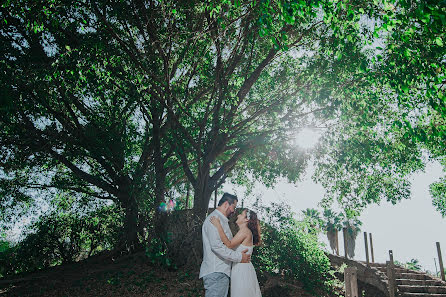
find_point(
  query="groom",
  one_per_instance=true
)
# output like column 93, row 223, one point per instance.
column 217, row 258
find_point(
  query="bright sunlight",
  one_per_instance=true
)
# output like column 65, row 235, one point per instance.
column 307, row 138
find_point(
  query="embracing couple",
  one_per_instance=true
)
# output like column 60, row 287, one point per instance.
column 226, row 257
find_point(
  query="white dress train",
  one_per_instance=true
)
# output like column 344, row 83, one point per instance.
column 244, row 281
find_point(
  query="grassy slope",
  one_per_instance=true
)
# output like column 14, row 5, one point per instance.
column 128, row 276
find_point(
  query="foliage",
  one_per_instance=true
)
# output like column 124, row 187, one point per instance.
column 438, row 193
column 132, row 98
column 332, row 223
column 369, row 154
column 352, row 224
column 413, row 264
column 365, row 159
column 313, row 219
column 126, row 100
column 157, row 252
column 6, row 253
column 63, row 237
column 290, row 250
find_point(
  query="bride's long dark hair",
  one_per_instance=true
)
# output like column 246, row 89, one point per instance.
column 254, row 226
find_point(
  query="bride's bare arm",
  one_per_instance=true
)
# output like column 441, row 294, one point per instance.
column 238, row 238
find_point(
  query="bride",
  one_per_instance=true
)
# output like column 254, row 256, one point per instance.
column 243, row 276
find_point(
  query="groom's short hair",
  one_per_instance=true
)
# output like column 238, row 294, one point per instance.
column 227, row 197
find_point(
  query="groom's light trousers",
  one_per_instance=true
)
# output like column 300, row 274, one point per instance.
column 216, row 284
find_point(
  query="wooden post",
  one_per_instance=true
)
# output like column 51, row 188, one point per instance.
column 391, row 275
column 215, row 200
column 337, row 242
column 371, row 248
column 436, row 269
column 440, row 261
column 366, row 249
column 351, row 281
column 344, row 231
column 391, row 256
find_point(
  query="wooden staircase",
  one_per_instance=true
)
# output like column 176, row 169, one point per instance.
column 411, row 283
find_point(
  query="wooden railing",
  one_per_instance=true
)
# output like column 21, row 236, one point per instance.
column 350, row 274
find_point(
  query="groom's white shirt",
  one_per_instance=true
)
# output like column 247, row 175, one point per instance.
column 216, row 256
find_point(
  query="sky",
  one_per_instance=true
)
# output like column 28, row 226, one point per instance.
column 410, row 228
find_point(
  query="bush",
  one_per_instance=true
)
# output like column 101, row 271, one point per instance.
column 6, row 253
column 62, row 237
column 289, row 249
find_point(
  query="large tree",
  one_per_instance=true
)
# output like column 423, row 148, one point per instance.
column 123, row 100
column 73, row 114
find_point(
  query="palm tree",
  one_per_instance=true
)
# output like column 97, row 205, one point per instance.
column 352, row 223
column 332, row 224
column 313, row 217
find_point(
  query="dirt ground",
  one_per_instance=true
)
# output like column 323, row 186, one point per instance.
column 131, row 275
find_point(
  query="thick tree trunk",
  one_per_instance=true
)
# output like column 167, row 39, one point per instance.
column 201, row 202
column 183, row 227
column 158, row 223
column 129, row 239
column 202, row 194
column 192, row 244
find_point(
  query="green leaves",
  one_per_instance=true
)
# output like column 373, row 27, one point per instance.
column 368, row 158
column 63, row 236
column 107, row 103
column 288, row 248
column 438, row 193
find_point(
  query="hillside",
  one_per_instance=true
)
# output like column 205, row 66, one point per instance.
column 132, row 275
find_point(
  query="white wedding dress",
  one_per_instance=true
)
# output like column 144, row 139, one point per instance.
column 244, row 281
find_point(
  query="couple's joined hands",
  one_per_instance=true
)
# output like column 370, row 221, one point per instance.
column 246, row 258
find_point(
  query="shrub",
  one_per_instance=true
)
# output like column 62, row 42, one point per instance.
column 6, row 253
column 289, row 249
column 62, row 237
